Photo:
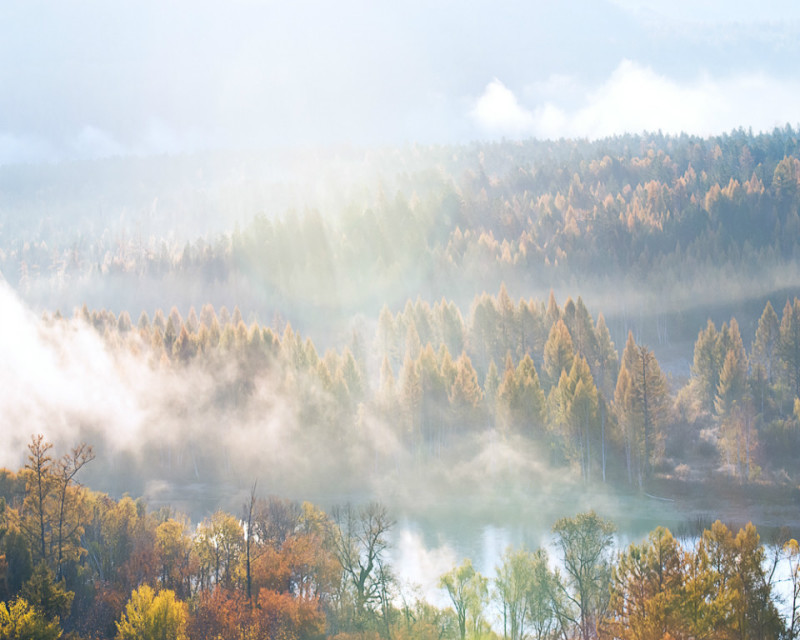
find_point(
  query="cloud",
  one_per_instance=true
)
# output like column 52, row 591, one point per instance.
column 498, row 112
column 636, row 98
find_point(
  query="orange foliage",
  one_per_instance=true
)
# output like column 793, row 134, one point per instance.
column 279, row 616
column 218, row 614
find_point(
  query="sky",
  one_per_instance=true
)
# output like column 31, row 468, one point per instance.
column 90, row 78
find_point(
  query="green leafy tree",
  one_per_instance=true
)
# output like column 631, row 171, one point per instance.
column 705, row 369
column 360, row 543
column 586, row 543
column 732, row 383
column 468, row 591
column 789, row 345
column 605, row 368
column 765, row 346
column 642, row 402
column 532, row 407
column 525, row 587
column 574, row 414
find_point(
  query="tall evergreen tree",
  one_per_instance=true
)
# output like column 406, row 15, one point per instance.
column 765, row 347
column 789, row 346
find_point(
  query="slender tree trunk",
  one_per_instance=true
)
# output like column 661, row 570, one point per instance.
column 248, row 543
column 628, row 452
column 603, row 438
column 646, row 413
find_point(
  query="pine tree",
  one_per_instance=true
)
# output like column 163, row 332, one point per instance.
column 466, row 395
column 411, row 398
column 558, row 353
column 532, row 404
column 765, row 347
column 789, row 346
column 507, row 321
column 553, row 313
column 650, row 404
column 606, row 367
column 624, row 407
column 731, row 386
column 583, row 412
column 385, row 336
column 705, row 369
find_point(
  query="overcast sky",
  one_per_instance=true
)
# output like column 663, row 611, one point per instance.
column 92, row 79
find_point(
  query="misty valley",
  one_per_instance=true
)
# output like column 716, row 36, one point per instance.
column 539, row 389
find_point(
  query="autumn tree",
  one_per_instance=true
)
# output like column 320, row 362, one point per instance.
column 40, row 487
column 153, row 616
column 739, row 592
column 558, row 353
column 465, row 393
column 173, row 549
column 50, row 597
column 21, row 621
column 51, row 510
column 219, row 542
column 219, row 613
column 648, row 598
column 70, row 520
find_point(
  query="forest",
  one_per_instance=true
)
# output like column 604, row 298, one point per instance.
column 80, row 561
column 532, row 326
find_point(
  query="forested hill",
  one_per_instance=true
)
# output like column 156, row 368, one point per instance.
column 635, row 223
